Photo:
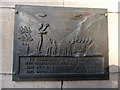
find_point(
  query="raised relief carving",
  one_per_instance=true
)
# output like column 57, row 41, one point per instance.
column 26, row 37
column 41, row 31
column 79, row 46
column 42, row 14
column 48, row 47
column 54, row 48
column 75, row 47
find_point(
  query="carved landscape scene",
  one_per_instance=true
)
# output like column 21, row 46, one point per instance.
column 63, row 34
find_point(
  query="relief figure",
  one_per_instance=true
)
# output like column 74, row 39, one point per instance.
column 41, row 31
column 49, row 47
column 54, row 48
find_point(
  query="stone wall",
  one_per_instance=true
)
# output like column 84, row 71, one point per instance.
column 6, row 44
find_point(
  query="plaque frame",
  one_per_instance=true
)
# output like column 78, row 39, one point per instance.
column 54, row 77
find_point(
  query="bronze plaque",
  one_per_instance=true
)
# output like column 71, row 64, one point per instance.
column 60, row 43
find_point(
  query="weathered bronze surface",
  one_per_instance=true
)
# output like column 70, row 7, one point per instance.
column 60, row 43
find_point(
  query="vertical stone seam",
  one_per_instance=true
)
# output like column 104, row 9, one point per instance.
column 62, row 85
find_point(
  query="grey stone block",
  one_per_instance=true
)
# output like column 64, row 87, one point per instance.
column 8, row 83
column 112, row 83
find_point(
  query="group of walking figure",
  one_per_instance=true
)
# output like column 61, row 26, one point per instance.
column 78, row 46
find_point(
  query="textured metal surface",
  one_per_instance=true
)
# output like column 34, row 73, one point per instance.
column 60, row 43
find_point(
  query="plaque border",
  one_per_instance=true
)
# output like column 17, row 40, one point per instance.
column 17, row 77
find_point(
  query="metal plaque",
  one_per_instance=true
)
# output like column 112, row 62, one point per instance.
column 60, row 43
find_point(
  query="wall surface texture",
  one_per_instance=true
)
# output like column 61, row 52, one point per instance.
column 6, row 43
